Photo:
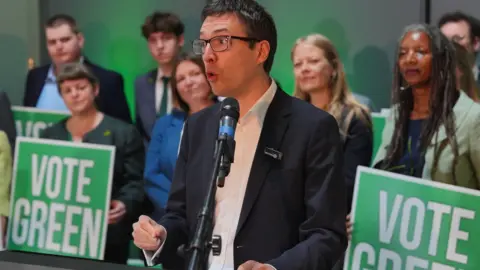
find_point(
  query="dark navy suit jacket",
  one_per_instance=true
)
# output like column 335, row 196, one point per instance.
column 145, row 112
column 293, row 213
column 111, row 99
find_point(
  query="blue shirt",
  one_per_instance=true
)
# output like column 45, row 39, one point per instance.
column 161, row 159
column 50, row 98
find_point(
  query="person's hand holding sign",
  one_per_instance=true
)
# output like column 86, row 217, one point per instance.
column 117, row 211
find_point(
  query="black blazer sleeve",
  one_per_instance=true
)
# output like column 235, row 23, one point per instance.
column 323, row 234
column 112, row 100
column 132, row 194
column 174, row 220
column 118, row 100
column 358, row 150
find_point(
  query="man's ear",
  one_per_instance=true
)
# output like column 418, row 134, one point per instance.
column 96, row 89
column 264, row 51
column 181, row 40
column 81, row 40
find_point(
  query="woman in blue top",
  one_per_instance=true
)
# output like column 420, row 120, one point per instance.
column 192, row 93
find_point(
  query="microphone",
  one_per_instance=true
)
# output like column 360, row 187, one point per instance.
column 226, row 132
column 229, row 117
column 203, row 241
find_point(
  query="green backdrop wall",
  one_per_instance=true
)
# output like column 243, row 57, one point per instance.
column 112, row 31
column 365, row 32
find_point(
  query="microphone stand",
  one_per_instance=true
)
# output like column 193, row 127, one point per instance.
column 203, row 242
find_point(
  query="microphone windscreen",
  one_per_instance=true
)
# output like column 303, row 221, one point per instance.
column 231, row 108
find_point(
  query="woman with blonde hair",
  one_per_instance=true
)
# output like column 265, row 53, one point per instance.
column 5, row 179
column 320, row 80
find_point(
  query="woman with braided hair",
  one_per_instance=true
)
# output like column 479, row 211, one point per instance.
column 434, row 128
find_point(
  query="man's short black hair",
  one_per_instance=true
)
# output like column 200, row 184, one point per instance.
column 258, row 22
column 61, row 19
column 458, row 16
column 162, row 22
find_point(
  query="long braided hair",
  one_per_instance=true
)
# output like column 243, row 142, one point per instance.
column 443, row 96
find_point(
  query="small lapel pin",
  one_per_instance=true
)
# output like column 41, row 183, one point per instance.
column 273, row 153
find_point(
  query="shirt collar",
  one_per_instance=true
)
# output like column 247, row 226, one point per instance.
column 51, row 76
column 259, row 109
column 159, row 74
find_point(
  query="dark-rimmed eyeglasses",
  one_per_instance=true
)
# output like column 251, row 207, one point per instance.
column 218, row 43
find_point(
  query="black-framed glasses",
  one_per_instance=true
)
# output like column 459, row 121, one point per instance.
column 218, row 43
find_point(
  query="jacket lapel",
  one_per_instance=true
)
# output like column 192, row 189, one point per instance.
column 460, row 110
column 38, row 87
column 273, row 131
column 150, row 94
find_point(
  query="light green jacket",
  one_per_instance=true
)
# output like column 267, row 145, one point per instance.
column 5, row 174
column 467, row 170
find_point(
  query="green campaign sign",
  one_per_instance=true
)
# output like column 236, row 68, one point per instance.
column 30, row 122
column 60, row 198
column 406, row 223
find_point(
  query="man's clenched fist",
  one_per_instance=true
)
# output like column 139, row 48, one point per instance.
column 147, row 234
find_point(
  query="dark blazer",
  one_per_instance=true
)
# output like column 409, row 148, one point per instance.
column 145, row 112
column 127, row 176
column 293, row 214
column 357, row 149
column 7, row 124
column 111, row 99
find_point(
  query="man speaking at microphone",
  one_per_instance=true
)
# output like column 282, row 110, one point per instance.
column 283, row 205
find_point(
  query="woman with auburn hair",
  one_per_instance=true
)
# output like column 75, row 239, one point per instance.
column 192, row 93
column 320, row 80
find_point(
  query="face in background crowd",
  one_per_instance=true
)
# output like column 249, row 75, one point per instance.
column 191, row 84
column 78, row 88
column 415, row 59
column 64, row 45
column 79, row 95
column 462, row 29
column 312, row 70
column 164, row 46
column 164, row 33
column 460, row 32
